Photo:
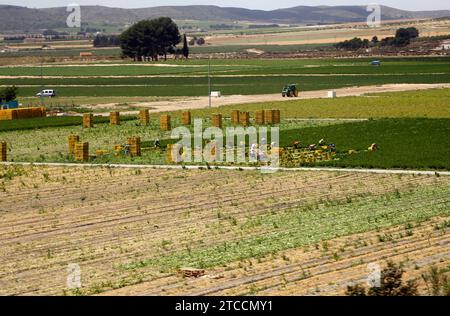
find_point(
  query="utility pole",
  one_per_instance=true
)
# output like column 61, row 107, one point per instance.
column 209, row 80
column 42, row 83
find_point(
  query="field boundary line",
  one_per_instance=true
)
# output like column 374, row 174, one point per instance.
column 243, row 168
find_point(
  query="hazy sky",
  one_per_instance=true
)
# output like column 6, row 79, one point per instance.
column 253, row 4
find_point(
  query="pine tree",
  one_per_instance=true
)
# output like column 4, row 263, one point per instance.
column 185, row 47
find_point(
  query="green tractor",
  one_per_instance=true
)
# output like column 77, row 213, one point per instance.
column 290, row 91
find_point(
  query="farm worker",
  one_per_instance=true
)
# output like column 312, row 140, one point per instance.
column 262, row 155
column 184, row 155
column 322, row 142
column 157, row 143
column 296, row 144
column 373, row 147
column 253, row 151
column 312, row 147
column 263, row 141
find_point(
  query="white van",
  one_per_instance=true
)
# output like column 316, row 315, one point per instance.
column 46, row 93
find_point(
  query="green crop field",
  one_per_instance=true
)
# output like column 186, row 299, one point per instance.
column 189, row 78
column 244, row 66
column 42, row 122
column 48, row 141
column 432, row 103
column 229, row 86
column 403, row 143
column 411, row 130
column 188, row 86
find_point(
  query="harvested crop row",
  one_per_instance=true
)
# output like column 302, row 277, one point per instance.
column 313, row 270
column 128, row 216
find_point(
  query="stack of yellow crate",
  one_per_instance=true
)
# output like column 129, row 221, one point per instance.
column 3, row 151
column 164, row 121
column 101, row 152
column 244, row 118
column 272, row 116
column 144, row 117
column 6, row 115
column 118, row 149
column 134, row 144
column 82, row 151
column 88, row 120
column 186, row 118
column 235, row 117
column 217, row 120
column 114, row 118
column 73, row 140
column 268, row 116
column 276, row 116
column 259, row 117
column 172, row 150
column 21, row 113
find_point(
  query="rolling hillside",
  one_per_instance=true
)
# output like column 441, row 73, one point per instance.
column 22, row 18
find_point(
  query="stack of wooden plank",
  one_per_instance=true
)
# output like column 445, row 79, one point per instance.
column 192, row 272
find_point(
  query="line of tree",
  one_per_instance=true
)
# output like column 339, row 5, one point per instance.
column 262, row 26
column 403, row 37
column 13, row 38
column 54, row 34
column 106, row 41
column 225, row 26
column 149, row 39
column 353, row 44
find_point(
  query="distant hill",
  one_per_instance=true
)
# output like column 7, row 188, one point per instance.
column 22, row 18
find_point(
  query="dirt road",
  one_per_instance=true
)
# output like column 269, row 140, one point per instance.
column 202, row 102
